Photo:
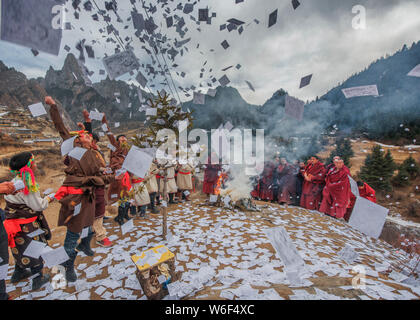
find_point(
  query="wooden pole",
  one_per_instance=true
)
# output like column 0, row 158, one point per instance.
column 164, row 208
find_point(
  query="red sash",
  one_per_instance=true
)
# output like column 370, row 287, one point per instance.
column 137, row 180
column 12, row 227
column 64, row 191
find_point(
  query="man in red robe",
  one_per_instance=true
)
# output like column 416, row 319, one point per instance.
column 314, row 176
column 266, row 191
column 211, row 177
column 336, row 193
column 287, row 182
column 365, row 191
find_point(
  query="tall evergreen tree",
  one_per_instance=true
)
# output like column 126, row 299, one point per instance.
column 402, row 179
column 378, row 169
column 410, row 165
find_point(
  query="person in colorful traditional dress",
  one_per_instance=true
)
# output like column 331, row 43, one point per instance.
column 5, row 188
column 77, row 193
column 141, row 196
column 119, row 190
column 100, row 200
column 24, row 215
column 152, row 186
column 184, row 180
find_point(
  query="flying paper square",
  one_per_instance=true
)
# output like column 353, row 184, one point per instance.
column 55, row 257
column 34, row 249
column 415, row 72
column 295, row 4
column 272, row 19
column 362, row 91
column 294, row 107
column 199, row 98
column 137, row 162
column 30, row 23
column 77, row 153
column 354, row 187
column 37, row 109
column 203, row 14
column 224, row 81
column 305, row 81
column 120, row 63
column 368, row 217
column 141, row 79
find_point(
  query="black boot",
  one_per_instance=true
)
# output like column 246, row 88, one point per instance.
column 69, row 266
column 39, row 281
column 19, row 274
column 120, row 218
column 84, row 245
column 126, row 210
column 171, row 199
column 133, row 210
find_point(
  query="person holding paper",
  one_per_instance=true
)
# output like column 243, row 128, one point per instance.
column 152, row 185
column 119, row 190
column 336, row 193
column 365, row 191
column 184, row 180
column 313, row 185
column 100, row 201
column 24, row 216
column 5, row 188
column 77, row 194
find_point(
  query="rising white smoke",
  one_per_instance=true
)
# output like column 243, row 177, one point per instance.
column 239, row 185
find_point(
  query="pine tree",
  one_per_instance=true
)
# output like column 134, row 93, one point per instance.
column 378, row 170
column 402, row 179
column 389, row 165
column 168, row 116
column 411, row 167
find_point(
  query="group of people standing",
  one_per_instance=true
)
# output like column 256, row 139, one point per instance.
column 311, row 185
column 90, row 185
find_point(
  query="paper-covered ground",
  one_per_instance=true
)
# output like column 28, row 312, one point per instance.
column 226, row 255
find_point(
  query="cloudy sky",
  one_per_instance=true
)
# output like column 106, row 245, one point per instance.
column 317, row 38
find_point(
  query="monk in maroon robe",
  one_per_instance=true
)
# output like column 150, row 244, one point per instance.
column 266, row 182
column 336, row 194
column 313, row 184
column 211, row 177
column 287, row 182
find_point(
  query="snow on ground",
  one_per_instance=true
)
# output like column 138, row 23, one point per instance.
column 226, row 255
